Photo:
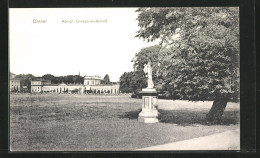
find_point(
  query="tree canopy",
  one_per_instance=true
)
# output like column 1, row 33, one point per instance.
column 106, row 79
column 132, row 82
column 70, row 79
column 48, row 77
column 203, row 63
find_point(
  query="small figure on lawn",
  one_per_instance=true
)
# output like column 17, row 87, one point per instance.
column 148, row 73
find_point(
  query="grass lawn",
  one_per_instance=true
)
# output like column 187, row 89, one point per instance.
column 52, row 122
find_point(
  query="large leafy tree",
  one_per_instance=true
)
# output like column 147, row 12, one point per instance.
column 204, row 61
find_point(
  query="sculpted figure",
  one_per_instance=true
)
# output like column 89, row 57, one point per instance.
column 148, row 73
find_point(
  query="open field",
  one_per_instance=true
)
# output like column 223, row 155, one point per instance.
column 52, row 122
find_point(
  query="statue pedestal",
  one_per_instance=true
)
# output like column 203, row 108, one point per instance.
column 149, row 113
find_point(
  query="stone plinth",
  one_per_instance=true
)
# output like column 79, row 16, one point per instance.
column 149, row 113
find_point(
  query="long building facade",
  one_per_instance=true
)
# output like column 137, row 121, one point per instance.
column 92, row 84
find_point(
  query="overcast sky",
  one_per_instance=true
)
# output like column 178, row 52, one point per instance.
column 63, row 49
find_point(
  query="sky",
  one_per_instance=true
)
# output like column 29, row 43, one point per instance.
column 62, row 46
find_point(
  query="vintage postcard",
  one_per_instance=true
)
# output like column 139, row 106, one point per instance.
column 124, row 79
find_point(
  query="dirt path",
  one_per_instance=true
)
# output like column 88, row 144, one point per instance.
column 229, row 140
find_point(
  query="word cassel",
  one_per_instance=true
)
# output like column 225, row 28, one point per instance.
column 39, row 21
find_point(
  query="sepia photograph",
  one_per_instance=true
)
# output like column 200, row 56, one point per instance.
column 124, row 79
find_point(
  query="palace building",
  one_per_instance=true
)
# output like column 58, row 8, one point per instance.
column 15, row 83
column 92, row 84
column 38, row 85
column 92, row 80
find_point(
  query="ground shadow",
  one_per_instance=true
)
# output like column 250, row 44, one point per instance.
column 186, row 117
column 130, row 114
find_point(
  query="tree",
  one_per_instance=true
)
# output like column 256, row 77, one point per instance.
column 125, row 82
column 78, row 79
column 106, row 79
column 204, row 61
column 157, row 55
column 57, row 80
column 67, row 79
column 48, row 77
column 132, row 82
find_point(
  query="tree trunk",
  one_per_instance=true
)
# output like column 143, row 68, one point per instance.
column 216, row 110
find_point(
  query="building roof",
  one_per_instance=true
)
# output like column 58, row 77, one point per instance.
column 103, row 85
column 16, row 79
column 37, row 79
column 50, row 85
column 92, row 77
column 12, row 74
column 75, row 85
column 62, row 84
column 40, row 79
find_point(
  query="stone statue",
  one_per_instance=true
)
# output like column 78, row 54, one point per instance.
column 149, row 113
column 148, row 73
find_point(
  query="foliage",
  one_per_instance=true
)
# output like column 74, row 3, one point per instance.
column 25, row 80
column 70, row 79
column 73, row 79
column 88, row 91
column 158, row 57
column 106, row 79
column 203, row 63
column 132, row 82
column 48, row 77
column 75, row 91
